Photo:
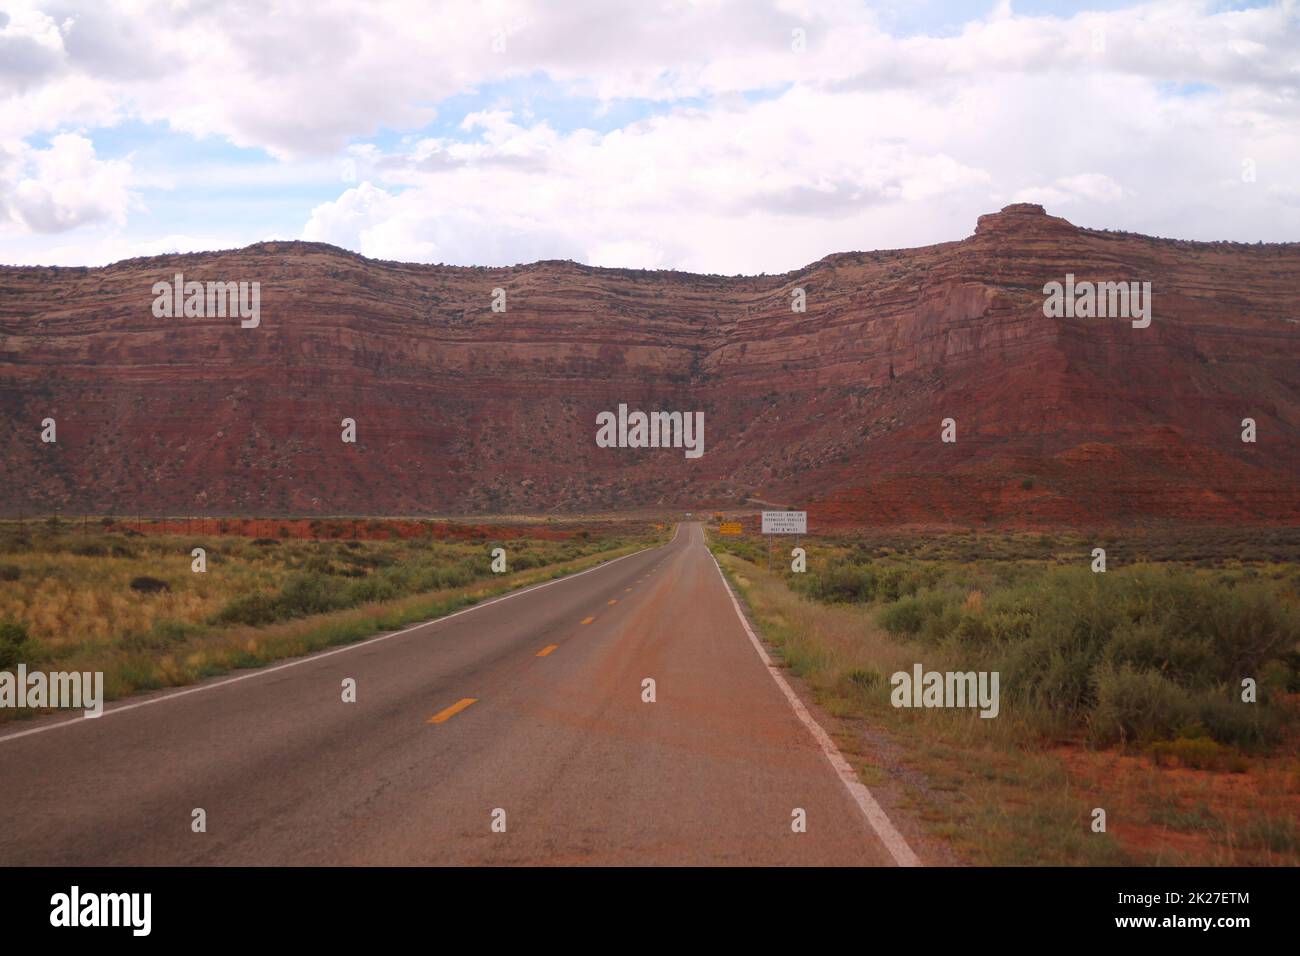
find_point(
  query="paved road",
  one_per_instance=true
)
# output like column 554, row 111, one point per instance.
column 585, row 771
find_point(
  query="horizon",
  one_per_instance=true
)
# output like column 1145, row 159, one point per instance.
column 333, row 247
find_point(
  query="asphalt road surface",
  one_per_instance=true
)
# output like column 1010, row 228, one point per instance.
column 557, row 736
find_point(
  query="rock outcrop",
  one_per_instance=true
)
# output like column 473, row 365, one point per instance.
column 462, row 409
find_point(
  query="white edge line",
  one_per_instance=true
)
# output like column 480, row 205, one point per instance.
column 319, row 655
column 880, row 822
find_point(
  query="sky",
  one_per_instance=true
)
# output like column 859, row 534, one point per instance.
column 719, row 136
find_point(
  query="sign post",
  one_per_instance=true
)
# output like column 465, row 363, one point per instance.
column 783, row 522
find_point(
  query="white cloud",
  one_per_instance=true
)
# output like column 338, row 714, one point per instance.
column 344, row 221
column 30, row 48
column 785, row 181
column 626, row 254
column 64, row 186
column 1084, row 187
column 863, row 140
column 299, row 80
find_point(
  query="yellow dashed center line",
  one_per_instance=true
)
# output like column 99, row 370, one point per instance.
column 588, row 620
column 625, row 590
column 452, row 711
column 613, row 600
column 547, row 649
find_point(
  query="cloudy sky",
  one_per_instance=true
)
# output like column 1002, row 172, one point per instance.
column 714, row 136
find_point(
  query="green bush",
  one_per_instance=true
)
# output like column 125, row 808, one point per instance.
column 305, row 594
column 841, row 583
column 1136, row 705
column 164, row 634
column 373, row 588
column 1132, row 654
column 13, row 642
column 905, row 616
column 1226, row 718
column 251, row 609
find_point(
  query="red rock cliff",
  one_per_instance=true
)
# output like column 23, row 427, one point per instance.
column 462, row 409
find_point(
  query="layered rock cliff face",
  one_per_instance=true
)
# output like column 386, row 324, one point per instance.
column 460, row 409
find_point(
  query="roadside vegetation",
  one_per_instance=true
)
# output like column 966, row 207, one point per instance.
column 109, row 598
column 1120, row 690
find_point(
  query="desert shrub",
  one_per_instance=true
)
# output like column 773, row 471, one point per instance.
column 525, row 560
column 305, row 594
column 1249, row 626
column 10, row 572
column 13, row 642
column 1289, row 668
column 147, row 585
column 375, row 587
column 864, row 679
column 840, row 583
column 1186, row 658
column 452, row 576
column 171, row 631
column 1135, row 705
column 1132, row 654
column 905, row 616
column 743, row 548
column 318, row 564
column 252, row 609
column 164, row 634
column 1226, row 718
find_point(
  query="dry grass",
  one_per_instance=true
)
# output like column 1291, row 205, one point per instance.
column 69, row 600
column 81, row 613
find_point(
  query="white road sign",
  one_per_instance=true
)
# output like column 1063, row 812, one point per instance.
column 785, row 522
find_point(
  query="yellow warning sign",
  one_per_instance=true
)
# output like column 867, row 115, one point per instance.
column 729, row 527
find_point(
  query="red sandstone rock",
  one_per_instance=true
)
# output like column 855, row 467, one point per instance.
column 463, row 410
